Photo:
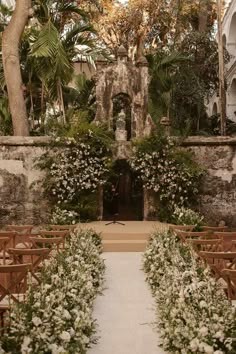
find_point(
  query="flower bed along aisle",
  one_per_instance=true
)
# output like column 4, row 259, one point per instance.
column 57, row 316
column 194, row 315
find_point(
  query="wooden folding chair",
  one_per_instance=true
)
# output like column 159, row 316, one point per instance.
column 50, row 243
column 13, row 288
column 218, row 261
column 55, row 233
column 227, row 240
column 230, row 276
column 211, row 245
column 33, row 256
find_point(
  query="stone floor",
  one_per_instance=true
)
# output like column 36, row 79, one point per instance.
column 125, row 312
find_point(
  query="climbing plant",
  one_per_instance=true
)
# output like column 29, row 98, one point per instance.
column 171, row 174
column 75, row 168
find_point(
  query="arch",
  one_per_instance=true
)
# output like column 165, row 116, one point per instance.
column 232, row 35
column 224, row 40
column 232, row 100
column 214, row 109
column 129, row 189
column 122, row 101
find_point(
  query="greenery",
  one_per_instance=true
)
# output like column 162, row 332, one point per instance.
column 171, row 174
column 57, row 314
column 75, row 168
column 185, row 216
column 194, row 315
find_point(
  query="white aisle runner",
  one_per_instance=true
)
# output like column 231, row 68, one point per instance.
column 125, row 312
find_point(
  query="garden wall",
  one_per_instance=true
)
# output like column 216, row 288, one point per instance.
column 22, row 203
column 218, row 156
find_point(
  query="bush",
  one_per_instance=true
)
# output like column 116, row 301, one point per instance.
column 185, row 216
column 57, row 315
column 194, row 315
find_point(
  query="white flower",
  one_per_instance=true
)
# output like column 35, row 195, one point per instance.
column 25, row 345
column 36, row 321
column 65, row 336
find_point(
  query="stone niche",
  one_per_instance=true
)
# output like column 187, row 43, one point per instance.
column 123, row 80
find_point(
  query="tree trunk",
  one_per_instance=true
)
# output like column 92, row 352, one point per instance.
column 11, row 65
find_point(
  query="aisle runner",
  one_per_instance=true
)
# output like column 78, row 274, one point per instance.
column 126, row 310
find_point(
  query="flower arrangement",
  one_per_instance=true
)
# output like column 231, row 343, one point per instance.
column 64, row 217
column 75, row 168
column 57, row 315
column 186, row 216
column 194, row 315
column 170, row 173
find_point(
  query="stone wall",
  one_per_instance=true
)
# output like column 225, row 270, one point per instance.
column 20, row 200
column 22, row 203
column 218, row 156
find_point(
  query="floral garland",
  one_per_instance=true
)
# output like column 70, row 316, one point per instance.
column 57, row 316
column 169, row 172
column 194, row 315
column 75, row 168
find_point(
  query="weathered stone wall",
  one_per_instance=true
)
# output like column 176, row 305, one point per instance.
column 20, row 203
column 218, row 156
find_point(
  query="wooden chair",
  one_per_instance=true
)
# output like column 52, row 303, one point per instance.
column 230, row 275
column 184, row 235
column 9, row 234
column 13, row 288
column 218, row 261
column 227, row 240
column 33, row 256
column 50, row 243
column 55, row 233
column 214, row 228
column 4, row 256
column 27, row 229
column 62, row 227
column 211, row 245
column 23, row 232
column 181, row 227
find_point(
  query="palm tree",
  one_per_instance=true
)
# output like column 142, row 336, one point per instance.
column 61, row 34
column 163, row 68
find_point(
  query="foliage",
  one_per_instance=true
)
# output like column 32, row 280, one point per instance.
column 57, row 314
column 185, row 216
column 194, row 315
column 171, row 174
column 75, row 168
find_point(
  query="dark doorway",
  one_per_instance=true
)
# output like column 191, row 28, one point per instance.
column 128, row 194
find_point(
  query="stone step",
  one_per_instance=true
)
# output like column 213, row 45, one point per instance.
column 125, row 236
column 124, row 245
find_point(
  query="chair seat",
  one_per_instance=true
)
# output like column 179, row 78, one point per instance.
column 23, row 245
column 6, row 262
